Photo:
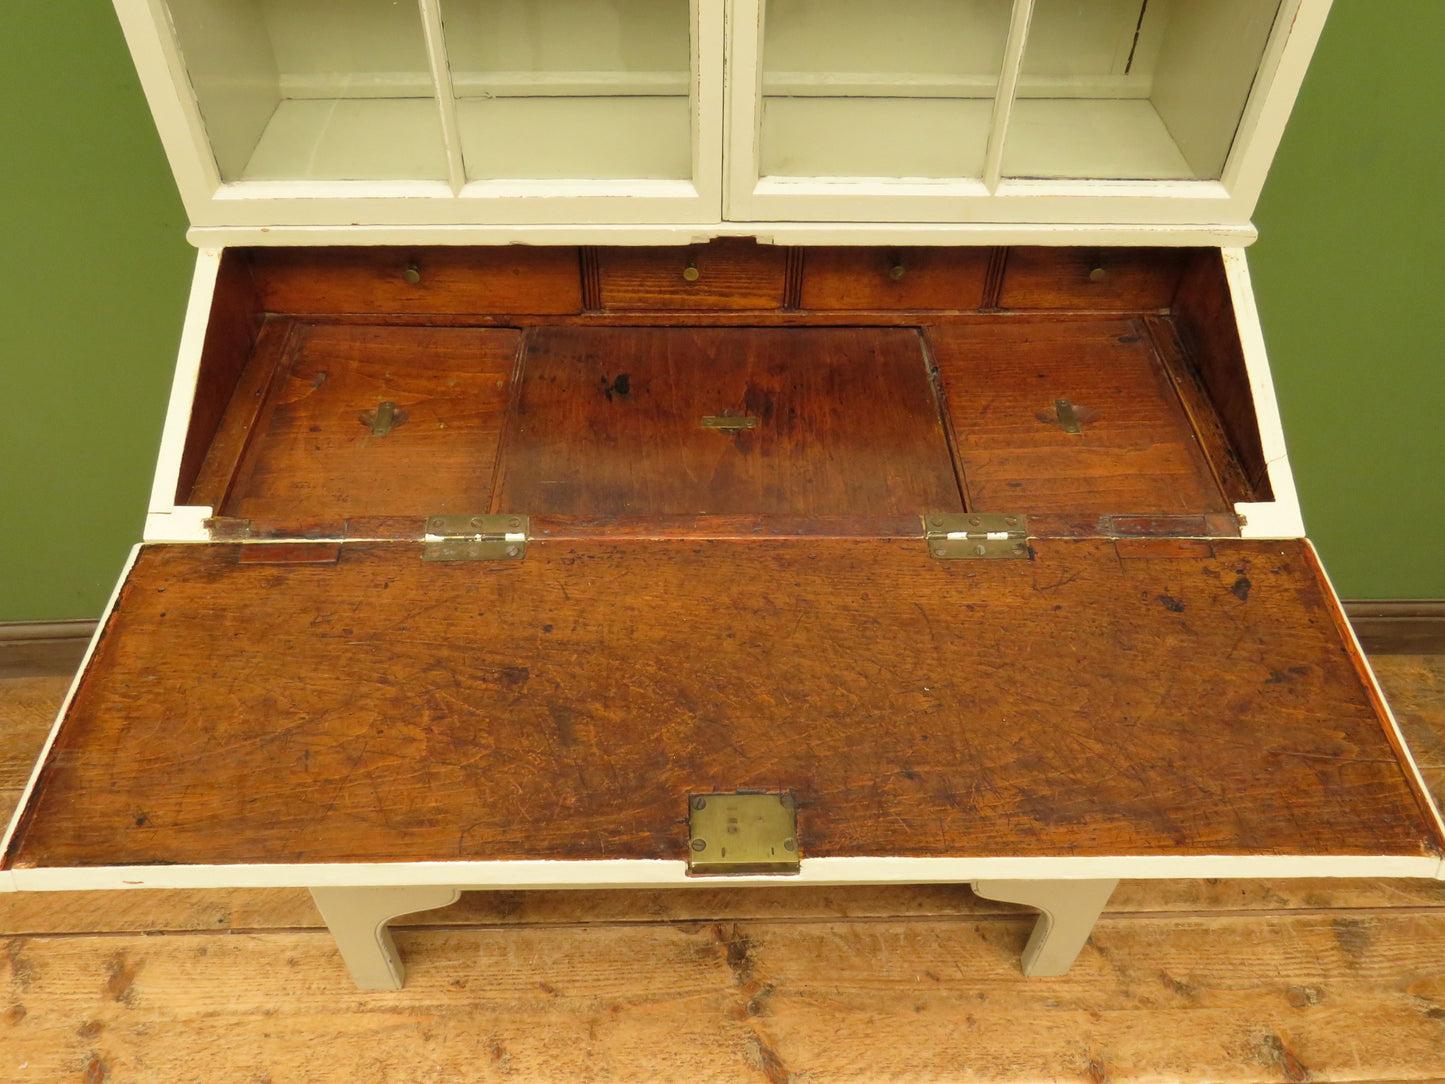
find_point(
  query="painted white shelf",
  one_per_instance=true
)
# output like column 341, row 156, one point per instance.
column 1090, row 138
column 874, row 137
column 569, row 138
column 350, row 139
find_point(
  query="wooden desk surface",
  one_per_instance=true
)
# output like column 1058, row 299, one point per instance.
column 1100, row 699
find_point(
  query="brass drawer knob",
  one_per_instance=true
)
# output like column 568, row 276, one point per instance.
column 412, row 274
column 896, row 270
column 690, row 273
column 1098, row 274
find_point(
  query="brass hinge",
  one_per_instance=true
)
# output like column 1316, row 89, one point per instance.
column 475, row 538
column 976, row 535
column 741, row 833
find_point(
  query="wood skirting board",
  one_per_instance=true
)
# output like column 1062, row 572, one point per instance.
column 1384, row 626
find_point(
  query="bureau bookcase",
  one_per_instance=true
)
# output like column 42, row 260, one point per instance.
column 657, row 442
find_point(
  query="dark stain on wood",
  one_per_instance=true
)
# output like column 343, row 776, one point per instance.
column 1274, row 1052
column 96, row 1070
column 15, row 1014
column 90, row 1029
column 120, row 978
column 1353, row 936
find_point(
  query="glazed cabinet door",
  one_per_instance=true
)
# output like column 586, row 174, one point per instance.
column 313, row 112
column 1010, row 110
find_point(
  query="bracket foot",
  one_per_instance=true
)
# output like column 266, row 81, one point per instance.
column 357, row 919
column 1068, row 909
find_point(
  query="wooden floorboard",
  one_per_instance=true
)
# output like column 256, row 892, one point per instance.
column 1238, row 981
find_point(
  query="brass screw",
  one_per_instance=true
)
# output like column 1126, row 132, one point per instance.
column 515, row 521
column 790, row 844
column 699, row 803
column 512, row 551
column 980, row 549
column 478, row 521
column 699, row 844
column 940, row 551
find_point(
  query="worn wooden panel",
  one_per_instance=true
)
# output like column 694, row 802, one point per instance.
column 1091, row 279
column 1208, row 428
column 565, row 705
column 231, row 330
column 611, row 421
column 451, row 280
column 894, row 278
column 243, row 415
column 313, row 458
column 28, row 711
column 1347, row 999
column 1136, row 453
column 260, row 909
column 731, row 274
column 1204, row 315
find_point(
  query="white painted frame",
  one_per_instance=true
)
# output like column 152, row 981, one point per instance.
column 213, row 203
column 1232, row 199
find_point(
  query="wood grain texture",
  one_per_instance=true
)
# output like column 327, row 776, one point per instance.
column 29, row 711
column 1204, row 315
column 1316, row 998
column 231, row 330
column 313, row 458
column 1137, row 453
column 243, row 415
column 732, row 274
column 565, row 705
column 453, row 280
column 1091, row 279
column 865, row 278
column 610, row 421
column 1229, row 473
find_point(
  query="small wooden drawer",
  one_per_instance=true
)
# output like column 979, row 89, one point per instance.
column 441, row 281
column 721, row 275
column 1111, row 280
column 938, row 279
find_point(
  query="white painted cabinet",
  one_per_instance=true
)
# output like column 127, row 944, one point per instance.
column 618, row 120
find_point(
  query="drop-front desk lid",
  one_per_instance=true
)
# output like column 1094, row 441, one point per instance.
column 1134, row 699
column 966, row 586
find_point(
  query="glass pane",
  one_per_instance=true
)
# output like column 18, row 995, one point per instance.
column 1135, row 89
column 572, row 89
column 313, row 89
column 855, row 88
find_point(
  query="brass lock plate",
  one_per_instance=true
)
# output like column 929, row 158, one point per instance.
column 742, row 833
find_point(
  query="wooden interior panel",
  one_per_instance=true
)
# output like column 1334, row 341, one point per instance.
column 731, row 274
column 1136, row 453
column 1205, row 317
column 450, row 280
column 1158, row 698
column 313, row 459
column 894, row 278
column 1091, row 279
column 612, row 421
column 231, row 331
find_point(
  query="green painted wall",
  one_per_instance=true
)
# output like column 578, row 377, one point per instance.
column 1348, row 277
column 95, row 271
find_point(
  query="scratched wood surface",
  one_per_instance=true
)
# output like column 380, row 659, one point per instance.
column 843, row 421
column 1196, row 704
column 314, row 457
column 1136, row 451
column 1314, row 997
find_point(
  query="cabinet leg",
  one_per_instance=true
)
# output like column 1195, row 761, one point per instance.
column 1068, row 909
column 357, row 919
